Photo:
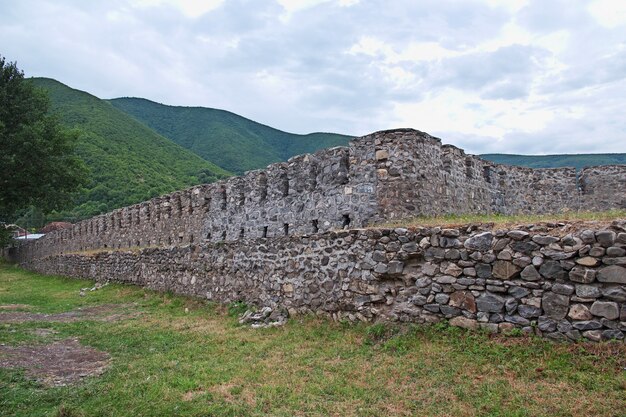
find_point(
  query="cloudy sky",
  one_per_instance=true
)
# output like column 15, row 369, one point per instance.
column 514, row 76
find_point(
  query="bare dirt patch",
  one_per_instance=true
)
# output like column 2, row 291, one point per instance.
column 56, row 364
column 104, row 312
column 11, row 307
column 232, row 393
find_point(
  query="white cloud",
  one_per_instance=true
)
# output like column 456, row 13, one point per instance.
column 519, row 75
column 609, row 13
column 190, row 8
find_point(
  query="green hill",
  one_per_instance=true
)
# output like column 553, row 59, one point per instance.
column 578, row 161
column 233, row 142
column 129, row 162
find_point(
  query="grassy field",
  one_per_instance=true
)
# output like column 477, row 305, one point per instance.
column 506, row 221
column 172, row 356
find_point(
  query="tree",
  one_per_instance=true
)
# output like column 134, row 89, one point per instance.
column 38, row 166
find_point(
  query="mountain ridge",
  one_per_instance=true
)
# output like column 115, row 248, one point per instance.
column 577, row 161
column 234, row 142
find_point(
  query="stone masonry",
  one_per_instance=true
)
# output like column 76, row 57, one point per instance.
column 267, row 237
column 553, row 280
column 383, row 176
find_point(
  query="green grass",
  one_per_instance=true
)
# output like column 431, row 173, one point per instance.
column 505, row 220
column 233, row 142
column 185, row 357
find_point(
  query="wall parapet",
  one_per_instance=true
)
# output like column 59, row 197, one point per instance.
column 560, row 281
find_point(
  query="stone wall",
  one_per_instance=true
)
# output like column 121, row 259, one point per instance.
column 270, row 238
column 555, row 280
column 330, row 189
column 603, row 187
column 417, row 176
column 383, row 176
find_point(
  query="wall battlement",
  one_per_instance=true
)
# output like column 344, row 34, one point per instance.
column 383, row 176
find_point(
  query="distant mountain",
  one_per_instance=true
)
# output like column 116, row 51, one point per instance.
column 231, row 141
column 577, row 161
column 129, row 162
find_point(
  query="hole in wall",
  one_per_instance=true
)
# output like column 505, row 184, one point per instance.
column 487, row 174
column 312, row 182
column 344, row 169
column 469, row 165
column 346, row 221
column 284, row 184
column 262, row 187
column 224, row 199
column 168, row 208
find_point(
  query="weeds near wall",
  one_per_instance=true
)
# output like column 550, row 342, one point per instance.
column 237, row 308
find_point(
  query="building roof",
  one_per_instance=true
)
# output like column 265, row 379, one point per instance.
column 51, row 227
column 31, row 236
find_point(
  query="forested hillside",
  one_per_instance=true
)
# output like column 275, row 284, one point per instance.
column 554, row 161
column 233, row 142
column 128, row 161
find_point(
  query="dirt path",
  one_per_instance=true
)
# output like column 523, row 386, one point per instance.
column 56, row 364
column 65, row 361
column 104, row 312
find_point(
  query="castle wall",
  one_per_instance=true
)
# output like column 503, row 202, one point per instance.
column 559, row 282
column 417, row 176
column 384, row 176
column 603, row 187
column 330, row 189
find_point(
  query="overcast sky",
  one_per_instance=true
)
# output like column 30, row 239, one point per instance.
column 511, row 76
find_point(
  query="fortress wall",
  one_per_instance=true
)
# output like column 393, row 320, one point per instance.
column 332, row 188
column 384, row 176
column 307, row 194
column 603, row 188
column 420, row 177
column 166, row 220
column 559, row 282
column 528, row 191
